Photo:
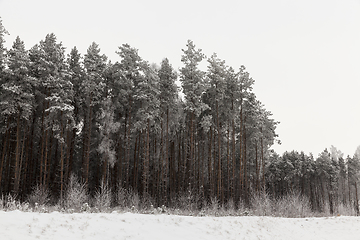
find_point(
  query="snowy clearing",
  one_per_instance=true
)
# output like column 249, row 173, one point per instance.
column 29, row 225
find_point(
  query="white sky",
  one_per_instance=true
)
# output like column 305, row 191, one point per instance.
column 304, row 55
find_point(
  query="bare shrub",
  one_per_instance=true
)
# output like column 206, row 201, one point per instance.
column 345, row 210
column 293, row 205
column 76, row 195
column 11, row 204
column 261, row 204
column 211, row 208
column 121, row 198
column 103, row 198
column 129, row 200
column 241, row 209
column 146, row 204
column 214, row 207
column 2, row 202
column 230, row 209
column 134, row 201
column 40, row 196
column 188, row 202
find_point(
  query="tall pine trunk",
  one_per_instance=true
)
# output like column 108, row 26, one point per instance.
column 233, row 159
column 5, row 144
column 61, row 158
column 17, row 157
column 87, row 146
column 147, row 159
column 167, row 163
column 127, row 143
column 209, row 163
column 263, row 164
column 219, row 190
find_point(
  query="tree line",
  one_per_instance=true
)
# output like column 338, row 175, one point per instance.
column 328, row 181
column 128, row 125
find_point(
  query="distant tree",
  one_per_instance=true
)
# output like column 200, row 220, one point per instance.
column 342, row 185
column 327, row 170
column 353, row 165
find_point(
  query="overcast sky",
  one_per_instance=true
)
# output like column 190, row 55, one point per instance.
column 304, row 55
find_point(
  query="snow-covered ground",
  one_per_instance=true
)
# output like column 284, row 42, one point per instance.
column 29, row 225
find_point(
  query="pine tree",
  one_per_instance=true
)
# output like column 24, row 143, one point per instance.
column 146, row 96
column 232, row 101
column 3, row 32
column 353, row 165
column 49, row 68
column 168, row 97
column 93, row 89
column 128, row 75
column 192, row 81
column 216, row 90
column 76, row 76
column 327, row 175
column 246, row 102
column 5, row 122
column 17, row 101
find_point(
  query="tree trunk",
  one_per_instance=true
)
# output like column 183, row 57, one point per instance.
column 61, row 158
column 167, row 164
column 233, row 159
column 69, row 153
column 147, row 159
column 120, row 155
column 191, row 159
column 219, row 190
column 25, row 186
column 256, row 168
column 241, row 152
column 245, row 167
column 88, row 147
column 44, row 162
column 263, row 164
column 228, row 189
column 17, row 156
column 127, row 154
column 356, row 200
column 209, row 163
column 161, row 183
column 6, row 143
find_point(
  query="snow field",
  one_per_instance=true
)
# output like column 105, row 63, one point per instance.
column 16, row 225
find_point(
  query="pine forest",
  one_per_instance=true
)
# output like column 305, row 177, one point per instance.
column 150, row 129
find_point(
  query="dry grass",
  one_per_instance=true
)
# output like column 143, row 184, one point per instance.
column 188, row 204
column 290, row 206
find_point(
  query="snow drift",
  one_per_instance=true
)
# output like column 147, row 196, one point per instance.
column 31, row 225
